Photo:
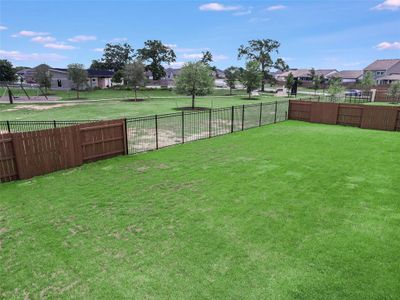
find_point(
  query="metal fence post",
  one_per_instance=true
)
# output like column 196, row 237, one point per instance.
column 242, row 117
column 259, row 122
column 8, row 127
column 183, row 127
column 209, row 123
column 276, row 110
column 156, row 121
column 54, row 124
column 232, row 118
column 126, row 137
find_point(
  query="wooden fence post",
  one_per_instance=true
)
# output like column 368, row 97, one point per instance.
column 126, row 136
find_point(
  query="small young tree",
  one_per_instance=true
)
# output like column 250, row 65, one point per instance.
column 394, row 91
column 335, row 88
column 231, row 76
column 42, row 76
column 367, row 81
column 134, row 75
column 251, row 76
column 7, row 72
column 78, row 75
column 195, row 79
column 289, row 83
column 118, row 76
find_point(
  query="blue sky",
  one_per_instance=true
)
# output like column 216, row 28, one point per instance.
column 342, row 34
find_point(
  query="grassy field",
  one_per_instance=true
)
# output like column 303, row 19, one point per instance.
column 116, row 108
column 286, row 211
column 112, row 93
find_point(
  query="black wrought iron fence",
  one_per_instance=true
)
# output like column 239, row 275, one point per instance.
column 154, row 132
column 158, row 131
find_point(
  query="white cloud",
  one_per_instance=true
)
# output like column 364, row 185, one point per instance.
column 119, row 39
column 276, row 7
column 243, row 12
column 43, row 39
column 82, row 38
column 98, row 49
column 388, row 4
column 42, row 57
column 192, row 56
column 388, row 46
column 214, row 6
column 28, row 33
column 3, row 28
column 171, row 46
column 59, row 46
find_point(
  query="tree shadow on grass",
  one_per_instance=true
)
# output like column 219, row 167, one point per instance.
column 189, row 108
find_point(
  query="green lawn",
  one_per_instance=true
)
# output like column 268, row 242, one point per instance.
column 112, row 93
column 286, row 211
column 116, row 108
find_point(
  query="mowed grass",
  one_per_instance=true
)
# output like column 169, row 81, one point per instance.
column 286, row 211
column 111, row 109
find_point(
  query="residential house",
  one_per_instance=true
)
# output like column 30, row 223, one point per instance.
column 60, row 81
column 384, row 71
column 350, row 76
column 304, row 75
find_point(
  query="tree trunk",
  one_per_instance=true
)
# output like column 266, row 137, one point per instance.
column 249, row 95
column 10, row 97
column 135, row 93
column 230, row 91
column 263, row 78
column 193, row 96
column 77, row 92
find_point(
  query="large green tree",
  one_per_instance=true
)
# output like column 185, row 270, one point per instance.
column 232, row 74
column 134, row 75
column 195, row 79
column 42, row 76
column 251, row 76
column 261, row 51
column 115, row 57
column 78, row 75
column 155, row 54
column 315, row 80
column 7, row 72
column 207, row 57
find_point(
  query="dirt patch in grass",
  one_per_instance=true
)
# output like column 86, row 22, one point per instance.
column 39, row 107
column 133, row 100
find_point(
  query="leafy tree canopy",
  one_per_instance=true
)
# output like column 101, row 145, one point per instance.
column 115, row 56
column 194, row 79
column 7, row 72
column 155, row 53
column 251, row 76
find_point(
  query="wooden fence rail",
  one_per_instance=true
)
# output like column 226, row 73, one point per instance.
column 27, row 154
column 363, row 116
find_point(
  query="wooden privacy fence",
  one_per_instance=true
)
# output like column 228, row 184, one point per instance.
column 363, row 116
column 27, row 154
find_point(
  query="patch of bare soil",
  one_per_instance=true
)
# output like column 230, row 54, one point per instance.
column 39, row 107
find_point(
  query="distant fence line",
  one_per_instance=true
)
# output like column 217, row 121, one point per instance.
column 363, row 116
column 31, row 148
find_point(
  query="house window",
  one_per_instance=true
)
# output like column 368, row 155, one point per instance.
column 379, row 73
column 59, row 84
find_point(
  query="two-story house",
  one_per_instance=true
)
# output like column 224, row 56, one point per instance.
column 385, row 71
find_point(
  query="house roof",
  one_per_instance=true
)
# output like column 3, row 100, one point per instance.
column 349, row 74
column 325, row 72
column 382, row 64
column 100, row 73
column 296, row 73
